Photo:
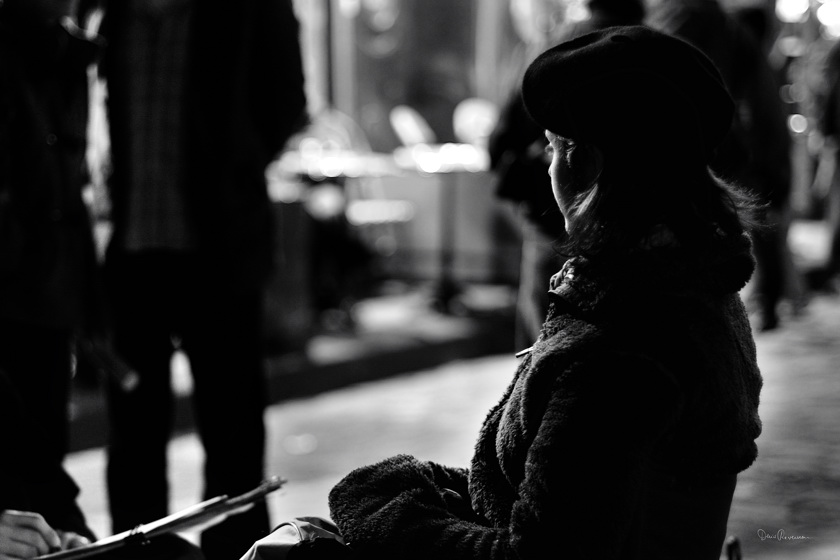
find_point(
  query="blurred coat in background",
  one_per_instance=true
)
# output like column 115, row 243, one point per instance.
column 48, row 279
column 757, row 152
column 202, row 96
column 829, row 126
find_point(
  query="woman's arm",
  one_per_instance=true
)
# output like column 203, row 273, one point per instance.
column 581, row 481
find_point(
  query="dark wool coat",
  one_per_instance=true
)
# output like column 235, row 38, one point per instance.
column 245, row 98
column 619, row 437
column 47, row 256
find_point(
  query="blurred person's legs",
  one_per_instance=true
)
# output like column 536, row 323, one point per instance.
column 539, row 262
column 769, row 251
column 822, row 277
column 154, row 297
column 223, row 339
column 833, row 219
column 144, row 298
column 37, row 360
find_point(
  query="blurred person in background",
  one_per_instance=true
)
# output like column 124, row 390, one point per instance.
column 518, row 157
column 773, row 249
column 202, row 95
column 828, row 123
column 48, row 270
column 757, row 153
column 624, row 428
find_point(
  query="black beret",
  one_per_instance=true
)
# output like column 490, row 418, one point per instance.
column 631, row 91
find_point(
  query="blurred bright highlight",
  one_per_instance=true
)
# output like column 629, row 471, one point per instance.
column 792, row 11
column 798, row 124
column 829, row 16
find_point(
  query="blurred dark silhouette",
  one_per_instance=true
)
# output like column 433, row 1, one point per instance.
column 48, row 281
column 821, row 278
column 31, row 479
column 757, row 152
column 202, row 95
column 517, row 156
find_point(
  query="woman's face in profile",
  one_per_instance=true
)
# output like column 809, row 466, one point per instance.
column 560, row 150
column 574, row 169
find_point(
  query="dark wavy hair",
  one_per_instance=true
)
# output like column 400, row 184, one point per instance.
column 621, row 208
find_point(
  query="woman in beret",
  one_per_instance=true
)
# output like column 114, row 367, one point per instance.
column 625, row 425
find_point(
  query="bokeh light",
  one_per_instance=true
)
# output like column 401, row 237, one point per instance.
column 798, row 124
column 792, row 11
column 828, row 15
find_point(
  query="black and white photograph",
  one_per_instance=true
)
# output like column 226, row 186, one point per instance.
column 420, row 279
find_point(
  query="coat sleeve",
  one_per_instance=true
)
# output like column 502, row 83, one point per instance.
column 582, row 478
column 279, row 94
column 30, row 478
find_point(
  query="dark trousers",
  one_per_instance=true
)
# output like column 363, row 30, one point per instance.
column 37, row 361
column 769, row 250
column 157, row 298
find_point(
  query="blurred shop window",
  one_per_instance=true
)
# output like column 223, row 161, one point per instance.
column 473, row 120
column 384, row 58
column 331, row 170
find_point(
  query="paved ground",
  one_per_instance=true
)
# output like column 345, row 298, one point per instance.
column 791, row 496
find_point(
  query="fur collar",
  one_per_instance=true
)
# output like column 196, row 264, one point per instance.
column 662, row 266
